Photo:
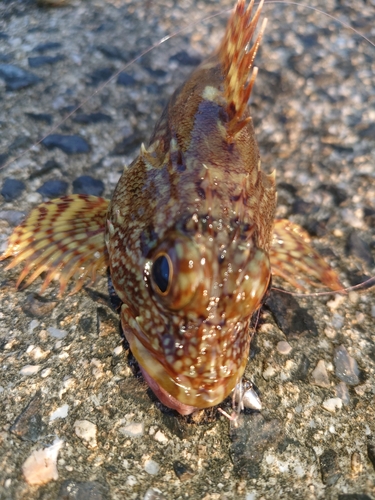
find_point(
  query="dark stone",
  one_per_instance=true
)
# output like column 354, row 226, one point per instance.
column 12, row 189
column 53, row 188
column 13, row 217
column 37, row 306
column 251, row 436
column 85, row 119
column 292, row 319
column 303, row 368
column 308, row 40
column 38, row 61
column 28, row 426
column 128, row 144
column 357, row 247
column 41, row 117
column 367, row 132
column 17, row 78
column 329, row 467
column 185, row 59
column 86, row 324
column 354, row 496
column 125, row 79
column 112, row 52
column 44, row 47
column 80, row 490
column 85, row 184
column 371, row 452
column 182, row 471
column 47, row 167
column 100, row 75
column 156, row 73
column 70, row 144
column 339, row 195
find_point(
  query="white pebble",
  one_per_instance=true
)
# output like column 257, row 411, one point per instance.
column 319, row 375
column 332, row 404
column 284, row 347
column 86, row 431
column 161, row 438
column 269, row 372
column 56, row 333
column 134, row 429
column 29, row 370
column 60, row 412
column 41, row 466
column 151, row 467
column 131, row 481
column 118, row 350
column 45, row 373
column 33, row 324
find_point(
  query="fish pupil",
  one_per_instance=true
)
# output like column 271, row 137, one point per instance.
column 160, row 273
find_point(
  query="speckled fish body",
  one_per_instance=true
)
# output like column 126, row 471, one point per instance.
column 189, row 234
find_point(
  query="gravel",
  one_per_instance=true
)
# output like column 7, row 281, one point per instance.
column 313, row 110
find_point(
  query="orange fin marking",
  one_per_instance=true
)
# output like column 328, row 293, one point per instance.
column 292, row 257
column 237, row 60
column 65, row 237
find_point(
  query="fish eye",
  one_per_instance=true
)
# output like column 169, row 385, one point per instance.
column 162, row 273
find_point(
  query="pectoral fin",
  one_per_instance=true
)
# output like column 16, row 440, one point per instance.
column 63, row 237
column 294, row 259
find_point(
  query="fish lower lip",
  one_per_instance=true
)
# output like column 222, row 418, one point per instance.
column 167, row 399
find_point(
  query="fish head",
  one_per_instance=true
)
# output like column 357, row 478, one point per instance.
column 187, row 310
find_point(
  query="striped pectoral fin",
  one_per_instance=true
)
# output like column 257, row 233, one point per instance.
column 294, row 259
column 64, row 238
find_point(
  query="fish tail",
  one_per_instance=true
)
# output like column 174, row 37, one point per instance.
column 237, row 61
column 63, row 237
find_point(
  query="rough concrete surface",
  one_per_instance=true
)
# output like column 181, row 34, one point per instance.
column 68, row 394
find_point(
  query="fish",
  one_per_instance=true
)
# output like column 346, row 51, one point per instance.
column 189, row 236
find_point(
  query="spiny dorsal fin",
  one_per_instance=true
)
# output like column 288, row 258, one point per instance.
column 237, row 59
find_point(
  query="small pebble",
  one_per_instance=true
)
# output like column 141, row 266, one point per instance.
column 332, row 404
column 329, row 467
column 125, row 79
column 30, row 370
column 53, row 188
column 44, row 47
column 70, row 144
column 33, row 324
column 154, row 494
column 346, row 367
column 161, row 438
column 284, row 347
column 17, row 78
column 269, row 372
column 118, row 350
column 86, row 431
column 134, row 429
column 56, row 333
column 151, row 467
column 41, row 466
column 38, row 61
column 12, row 189
column 37, row 306
column 29, row 425
column 182, row 471
column 185, row 58
column 60, row 412
column 319, row 375
column 85, row 184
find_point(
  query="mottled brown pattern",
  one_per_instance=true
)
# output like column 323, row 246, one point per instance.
column 197, row 201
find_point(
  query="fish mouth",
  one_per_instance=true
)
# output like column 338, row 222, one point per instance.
column 178, row 391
